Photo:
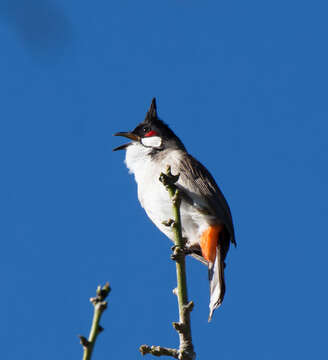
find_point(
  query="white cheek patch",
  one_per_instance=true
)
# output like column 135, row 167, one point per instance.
column 152, row 141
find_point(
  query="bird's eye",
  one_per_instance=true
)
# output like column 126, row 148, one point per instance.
column 145, row 129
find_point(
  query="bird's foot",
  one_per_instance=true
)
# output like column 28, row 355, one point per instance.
column 178, row 251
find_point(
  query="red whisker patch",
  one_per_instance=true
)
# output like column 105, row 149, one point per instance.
column 151, row 133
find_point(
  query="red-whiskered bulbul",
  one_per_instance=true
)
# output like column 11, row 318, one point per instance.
column 205, row 215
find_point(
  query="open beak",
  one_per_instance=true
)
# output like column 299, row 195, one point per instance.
column 128, row 135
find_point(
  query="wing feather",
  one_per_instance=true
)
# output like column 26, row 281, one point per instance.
column 203, row 186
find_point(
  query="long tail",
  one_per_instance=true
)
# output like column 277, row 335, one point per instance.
column 216, row 279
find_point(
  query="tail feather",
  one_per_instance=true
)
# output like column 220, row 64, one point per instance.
column 216, row 279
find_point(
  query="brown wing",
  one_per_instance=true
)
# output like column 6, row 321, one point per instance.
column 201, row 182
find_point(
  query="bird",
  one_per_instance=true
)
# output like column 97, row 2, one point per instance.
column 206, row 218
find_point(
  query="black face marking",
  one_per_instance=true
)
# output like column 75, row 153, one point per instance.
column 162, row 130
column 146, row 129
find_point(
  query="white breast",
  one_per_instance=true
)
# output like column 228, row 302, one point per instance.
column 153, row 196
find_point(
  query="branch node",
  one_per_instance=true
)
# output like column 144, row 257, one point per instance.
column 178, row 253
column 168, row 223
column 102, row 292
column 84, row 341
column 99, row 305
column 168, row 179
column 100, row 329
column 144, row 349
column 102, row 305
column 189, row 307
column 187, row 355
column 94, row 300
column 179, row 327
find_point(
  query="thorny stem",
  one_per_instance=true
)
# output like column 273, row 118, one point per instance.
column 100, row 306
column 186, row 349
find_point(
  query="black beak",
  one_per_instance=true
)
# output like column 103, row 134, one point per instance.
column 128, row 135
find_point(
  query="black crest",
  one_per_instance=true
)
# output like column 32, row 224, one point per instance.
column 153, row 123
column 152, row 112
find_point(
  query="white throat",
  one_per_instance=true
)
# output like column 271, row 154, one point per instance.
column 140, row 163
column 137, row 158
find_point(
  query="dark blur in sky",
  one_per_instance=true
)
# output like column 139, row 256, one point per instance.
column 244, row 85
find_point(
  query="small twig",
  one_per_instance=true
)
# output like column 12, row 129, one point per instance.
column 186, row 349
column 159, row 351
column 100, row 306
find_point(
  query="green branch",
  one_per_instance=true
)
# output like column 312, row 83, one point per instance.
column 100, row 306
column 186, row 349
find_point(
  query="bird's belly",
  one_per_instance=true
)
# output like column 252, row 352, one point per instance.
column 155, row 199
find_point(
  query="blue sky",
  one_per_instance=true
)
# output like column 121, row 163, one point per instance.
column 244, row 85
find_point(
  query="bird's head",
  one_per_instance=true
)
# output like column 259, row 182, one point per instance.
column 152, row 133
